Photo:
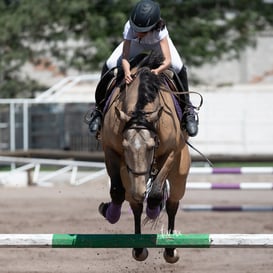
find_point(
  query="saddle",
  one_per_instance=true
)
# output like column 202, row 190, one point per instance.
column 173, row 84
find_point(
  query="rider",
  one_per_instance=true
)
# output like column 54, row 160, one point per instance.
column 146, row 31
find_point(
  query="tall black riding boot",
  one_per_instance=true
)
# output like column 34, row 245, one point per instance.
column 95, row 118
column 190, row 118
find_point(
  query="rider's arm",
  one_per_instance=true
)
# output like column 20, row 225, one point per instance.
column 125, row 61
column 167, row 56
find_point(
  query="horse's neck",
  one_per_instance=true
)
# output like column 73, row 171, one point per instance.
column 130, row 104
column 131, row 97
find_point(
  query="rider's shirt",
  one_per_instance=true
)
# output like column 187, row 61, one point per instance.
column 151, row 41
column 151, row 38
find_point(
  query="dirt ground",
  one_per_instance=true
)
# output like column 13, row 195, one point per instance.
column 69, row 209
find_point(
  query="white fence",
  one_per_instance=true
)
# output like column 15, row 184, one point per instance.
column 29, row 171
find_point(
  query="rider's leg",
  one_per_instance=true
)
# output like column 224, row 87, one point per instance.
column 96, row 115
column 112, row 61
column 190, row 119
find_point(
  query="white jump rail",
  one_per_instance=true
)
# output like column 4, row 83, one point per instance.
column 229, row 186
column 231, row 170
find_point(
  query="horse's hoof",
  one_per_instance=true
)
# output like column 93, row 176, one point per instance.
column 171, row 259
column 103, row 208
column 142, row 256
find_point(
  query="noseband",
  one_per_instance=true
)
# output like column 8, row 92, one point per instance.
column 138, row 173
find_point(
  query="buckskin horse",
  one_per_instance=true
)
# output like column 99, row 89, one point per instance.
column 142, row 141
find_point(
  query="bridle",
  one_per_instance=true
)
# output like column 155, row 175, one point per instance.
column 138, row 121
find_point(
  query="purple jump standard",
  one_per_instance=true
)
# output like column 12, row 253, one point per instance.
column 228, row 208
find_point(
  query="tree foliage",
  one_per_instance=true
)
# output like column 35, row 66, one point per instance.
column 81, row 34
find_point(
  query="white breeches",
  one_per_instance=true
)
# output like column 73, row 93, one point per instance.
column 137, row 48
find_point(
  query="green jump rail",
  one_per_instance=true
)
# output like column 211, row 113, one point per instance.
column 136, row 240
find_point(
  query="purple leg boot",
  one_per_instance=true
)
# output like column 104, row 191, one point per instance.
column 110, row 211
column 153, row 213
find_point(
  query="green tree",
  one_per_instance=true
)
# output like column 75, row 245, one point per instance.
column 204, row 30
column 82, row 33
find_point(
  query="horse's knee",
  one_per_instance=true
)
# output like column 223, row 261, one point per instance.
column 155, row 195
column 154, row 202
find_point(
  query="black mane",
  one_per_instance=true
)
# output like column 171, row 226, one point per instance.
column 148, row 88
column 149, row 82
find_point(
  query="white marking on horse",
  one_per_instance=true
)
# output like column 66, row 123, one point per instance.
column 137, row 144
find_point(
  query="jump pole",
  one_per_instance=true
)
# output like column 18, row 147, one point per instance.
column 227, row 208
column 136, row 241
column 231, row 170
column 229, row 186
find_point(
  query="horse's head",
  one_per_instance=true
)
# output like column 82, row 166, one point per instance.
column 140, row 113
column 139, row 144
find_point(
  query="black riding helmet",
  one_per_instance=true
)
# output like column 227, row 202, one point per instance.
column 145, row 15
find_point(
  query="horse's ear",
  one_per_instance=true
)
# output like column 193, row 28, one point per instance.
column 121, row 115
column 155, row 115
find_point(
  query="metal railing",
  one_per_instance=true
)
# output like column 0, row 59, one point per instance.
column 32, row 166
column 54, row 95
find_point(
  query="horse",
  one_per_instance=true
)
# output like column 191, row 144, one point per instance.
column 144, row 147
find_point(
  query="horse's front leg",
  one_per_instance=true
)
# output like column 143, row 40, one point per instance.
column 171, row 254
column 156, row 193
column 112, row 210
column 140, row 254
